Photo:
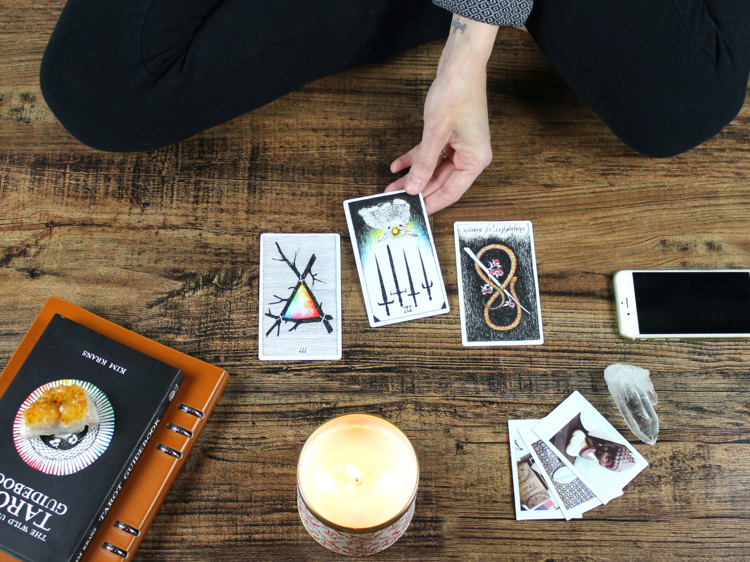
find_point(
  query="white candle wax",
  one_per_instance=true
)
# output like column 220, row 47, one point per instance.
column 358, row 472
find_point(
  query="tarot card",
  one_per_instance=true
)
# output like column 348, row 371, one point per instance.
column 530, row 490
column 396, row 258
column 588, row 444
column 573, row 497
column 498, row 289
column 300, row 297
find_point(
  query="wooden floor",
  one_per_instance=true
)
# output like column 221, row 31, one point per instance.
column 166, row 244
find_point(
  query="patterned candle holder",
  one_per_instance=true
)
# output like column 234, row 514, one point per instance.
column 357, row 482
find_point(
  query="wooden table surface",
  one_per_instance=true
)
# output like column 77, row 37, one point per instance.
column 166, row 244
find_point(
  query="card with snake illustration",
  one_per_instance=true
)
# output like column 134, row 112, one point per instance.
column 396, row 258
column 497, row 283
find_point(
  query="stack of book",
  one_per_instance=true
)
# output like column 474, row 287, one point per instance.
column 95, row 424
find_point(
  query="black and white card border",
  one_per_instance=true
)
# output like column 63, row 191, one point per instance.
column 459, row 277
column 261, row 305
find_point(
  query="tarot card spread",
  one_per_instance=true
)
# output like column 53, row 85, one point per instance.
column 396, row 258
column 497, row 283
column 300, row 297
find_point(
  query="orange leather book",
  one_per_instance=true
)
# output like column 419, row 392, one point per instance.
column 148, row 484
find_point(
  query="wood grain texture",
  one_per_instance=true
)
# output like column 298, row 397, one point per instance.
column 166, row 243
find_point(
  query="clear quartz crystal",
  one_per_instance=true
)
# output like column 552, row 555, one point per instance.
column 635, row 397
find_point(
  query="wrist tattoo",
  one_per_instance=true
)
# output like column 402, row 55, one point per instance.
column 457, row 25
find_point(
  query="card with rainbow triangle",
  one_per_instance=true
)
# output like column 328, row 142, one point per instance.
column 300, row 297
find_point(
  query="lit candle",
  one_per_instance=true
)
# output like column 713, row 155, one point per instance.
column 356, row 484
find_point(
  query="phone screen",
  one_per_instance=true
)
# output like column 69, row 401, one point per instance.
column 693, row 302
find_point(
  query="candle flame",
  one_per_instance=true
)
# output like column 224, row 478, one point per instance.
column 354, row 472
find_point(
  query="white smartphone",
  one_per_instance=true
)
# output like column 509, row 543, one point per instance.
column 681, row 304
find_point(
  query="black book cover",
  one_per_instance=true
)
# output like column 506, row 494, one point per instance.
column 55, row 492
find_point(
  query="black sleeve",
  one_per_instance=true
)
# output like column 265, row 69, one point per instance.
column 509, row 13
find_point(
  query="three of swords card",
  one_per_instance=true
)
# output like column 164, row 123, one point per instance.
column 300, row 297
column 396, row 259
column 498, row 287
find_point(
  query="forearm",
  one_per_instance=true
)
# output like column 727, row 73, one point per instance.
column 455, row 145
column 469, row 45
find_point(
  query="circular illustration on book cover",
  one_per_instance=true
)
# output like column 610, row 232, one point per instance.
column 63, row 427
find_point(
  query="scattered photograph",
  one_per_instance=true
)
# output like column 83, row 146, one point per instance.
column 591, row 447
column 573, row 496
column 532, row 496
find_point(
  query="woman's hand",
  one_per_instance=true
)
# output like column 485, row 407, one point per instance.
column 455, row 121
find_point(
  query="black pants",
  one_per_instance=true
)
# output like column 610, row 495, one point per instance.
column 132, row 75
